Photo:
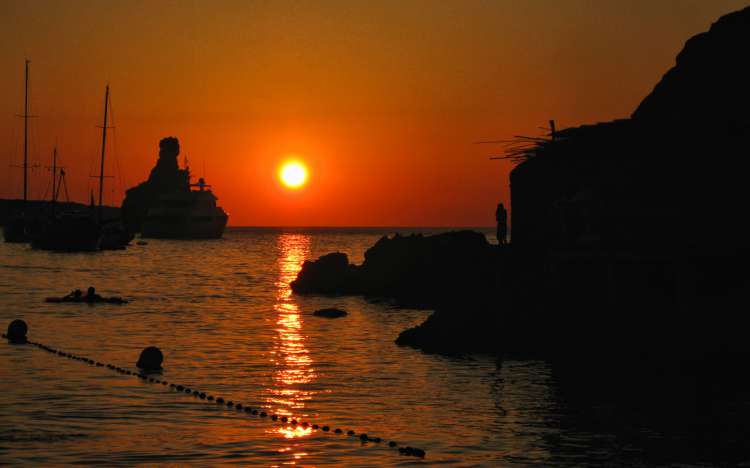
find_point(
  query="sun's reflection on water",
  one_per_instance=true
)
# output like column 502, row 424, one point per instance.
column 293, row 365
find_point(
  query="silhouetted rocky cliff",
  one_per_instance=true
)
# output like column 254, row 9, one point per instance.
column 166, row 177
column 628, row 237
column 669, row 177
column 708, row 86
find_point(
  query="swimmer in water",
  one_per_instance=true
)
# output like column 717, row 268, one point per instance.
column 92, row 296
column 74, row 296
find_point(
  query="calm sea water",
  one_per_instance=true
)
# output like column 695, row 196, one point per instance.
column 223, row 314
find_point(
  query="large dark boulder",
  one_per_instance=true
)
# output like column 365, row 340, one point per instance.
column 424, row 271
column 458, row 330
column 329, row 274
column 415, row 270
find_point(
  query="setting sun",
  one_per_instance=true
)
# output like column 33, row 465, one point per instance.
column 293, row 174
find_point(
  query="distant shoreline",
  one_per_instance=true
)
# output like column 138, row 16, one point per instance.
column 366, row 228
column 9, row 206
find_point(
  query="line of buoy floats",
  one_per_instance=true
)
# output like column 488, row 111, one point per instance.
column 151, row 359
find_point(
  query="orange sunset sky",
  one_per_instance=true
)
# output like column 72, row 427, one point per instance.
column 381, row 99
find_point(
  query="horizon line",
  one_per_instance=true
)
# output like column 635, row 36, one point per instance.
column 359, row 227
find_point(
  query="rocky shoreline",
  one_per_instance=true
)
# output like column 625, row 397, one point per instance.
column 490, row 299
column 457, row 273
column 629, row 237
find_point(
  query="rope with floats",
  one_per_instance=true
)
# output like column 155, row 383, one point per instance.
column 17, row 335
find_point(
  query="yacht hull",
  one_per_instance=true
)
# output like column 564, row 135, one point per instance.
column 68, row 235
column 15, row 230
column 185, row 228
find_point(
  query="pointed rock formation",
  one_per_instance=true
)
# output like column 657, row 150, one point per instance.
column 166, row 177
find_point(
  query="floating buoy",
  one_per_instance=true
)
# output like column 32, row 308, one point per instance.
column 17, row 330
column 150, row 359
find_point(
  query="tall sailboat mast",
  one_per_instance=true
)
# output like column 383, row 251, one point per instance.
column 26, row 136
column 104, row 145
column 54, row 175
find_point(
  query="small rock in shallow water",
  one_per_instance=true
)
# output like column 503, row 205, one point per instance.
column 330, row 313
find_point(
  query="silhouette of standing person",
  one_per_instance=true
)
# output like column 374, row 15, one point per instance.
column 501, row 216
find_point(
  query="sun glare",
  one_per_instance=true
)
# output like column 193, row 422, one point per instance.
column 293, row 174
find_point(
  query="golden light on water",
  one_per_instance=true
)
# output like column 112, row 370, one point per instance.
column 293, row 432
column 293, row 174
column 294, row 366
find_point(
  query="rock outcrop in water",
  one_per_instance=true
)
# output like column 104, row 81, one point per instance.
column 415, row 270
column 166, row 177
column 330, row 313
column 455, row 272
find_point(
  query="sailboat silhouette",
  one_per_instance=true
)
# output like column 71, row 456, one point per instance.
column 76, row 231
column 14, row 230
